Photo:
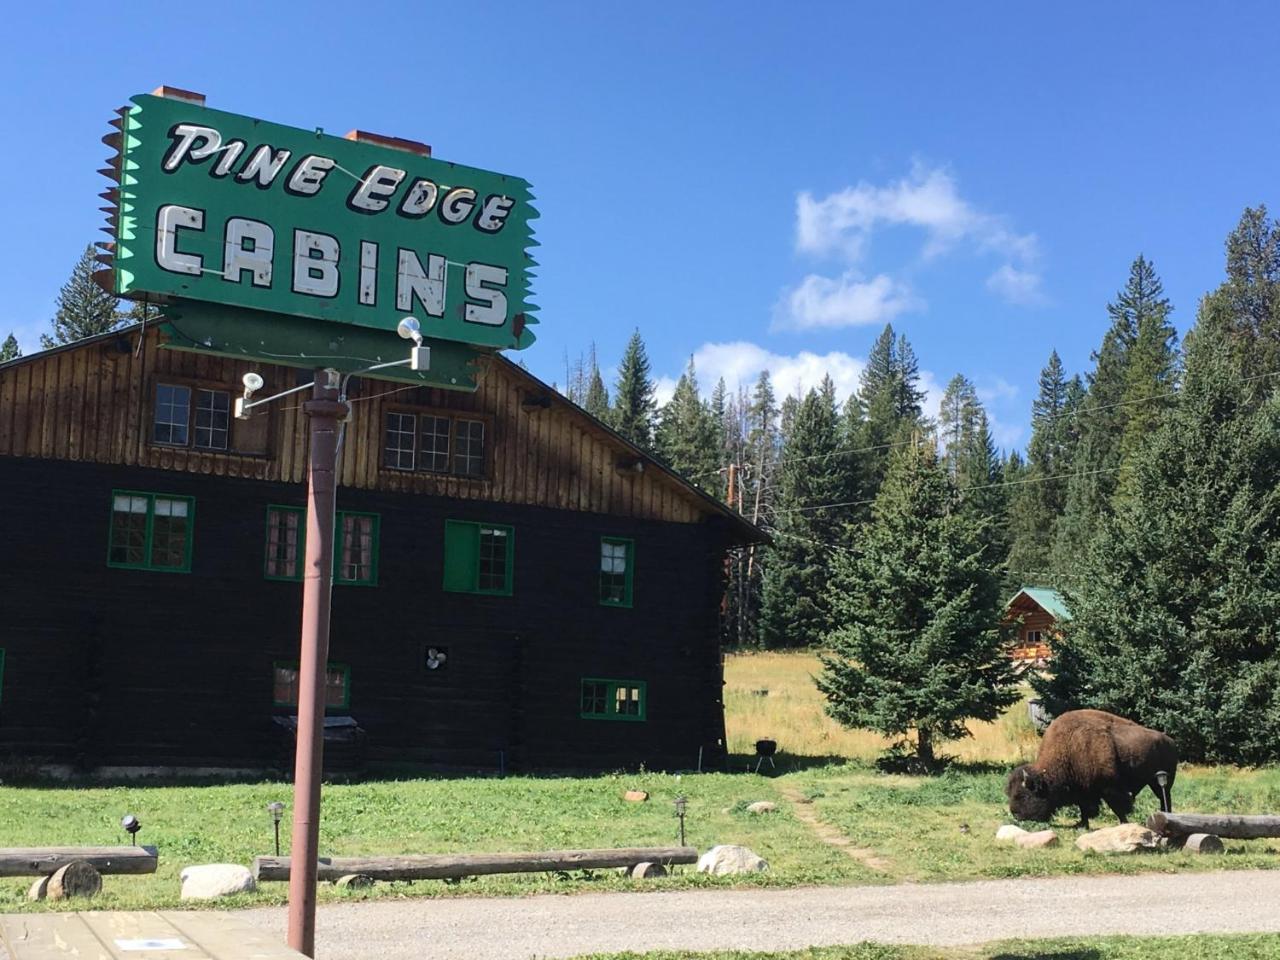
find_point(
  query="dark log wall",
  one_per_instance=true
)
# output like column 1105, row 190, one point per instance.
column 112, row 666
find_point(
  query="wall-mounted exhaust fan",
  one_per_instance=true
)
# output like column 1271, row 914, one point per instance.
column 436, row 657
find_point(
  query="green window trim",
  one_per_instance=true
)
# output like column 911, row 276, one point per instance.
column 300, row 548
column 598, row 700
column 342, row 668
column 615, row 588
column 471, row 558
column 342, row 564
column 148, row 542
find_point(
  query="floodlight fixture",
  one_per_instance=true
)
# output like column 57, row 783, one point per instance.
column 410, row 329
column 252, row 384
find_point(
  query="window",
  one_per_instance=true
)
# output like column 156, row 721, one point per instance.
column 355, row 548
column 173, row 412
column 1033, row 636
column 150, row 531
column 468, row 448
column 337, row 686
column 615, row 571
column 434, row 443
column 478, row 557
column 172, row 424
column 612, row 699
column 285, row 539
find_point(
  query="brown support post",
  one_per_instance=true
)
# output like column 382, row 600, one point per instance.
column 324, row 411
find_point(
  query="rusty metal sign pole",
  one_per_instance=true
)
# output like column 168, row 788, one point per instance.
column 324, row 411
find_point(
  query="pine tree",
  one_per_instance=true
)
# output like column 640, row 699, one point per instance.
column 957, row 419
column 890, row 395
column 1149, row 385
column 596, row 401
column 10, row 350
column 982, row 494
column 917, row 647
column 795, row 607
column 1175, row 612
column 1037, row 503
column 686, row 436
column 634, row 404
column 1246, row 307
column 84, row 308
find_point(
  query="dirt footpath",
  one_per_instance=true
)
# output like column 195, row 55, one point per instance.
column 933, row 914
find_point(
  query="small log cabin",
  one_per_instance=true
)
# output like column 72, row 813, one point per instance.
column 516, row 586
column 1034, row 612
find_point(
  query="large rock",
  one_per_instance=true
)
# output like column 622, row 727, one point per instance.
column 636, row 796
column 1010, row 832
column 762, row 806
column 1124, row 838
column 1039, row 840
column 212, row 880
column 728, row 859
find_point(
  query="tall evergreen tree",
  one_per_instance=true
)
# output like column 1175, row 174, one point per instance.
column 84, row 308
column 1246, row 307
column 1037, row 502
column 686, row 436
column 916, row 647
column 596, row 401
column 1175, row 613
column 890, row 394
column 634, row 403
column 795, row 609
column 10, row 350
column 958, row 419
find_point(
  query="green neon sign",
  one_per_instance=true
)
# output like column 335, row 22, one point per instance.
column 225, row 209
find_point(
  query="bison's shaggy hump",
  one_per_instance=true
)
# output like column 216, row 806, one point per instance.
column 1087, row 757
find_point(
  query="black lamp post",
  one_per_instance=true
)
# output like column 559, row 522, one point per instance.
column 681, row 801
column 131, row 827
column 276, row 809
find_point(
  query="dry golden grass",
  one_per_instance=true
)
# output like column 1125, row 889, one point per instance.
column 791, row 712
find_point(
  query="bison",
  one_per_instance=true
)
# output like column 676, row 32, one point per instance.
column 1086, row 757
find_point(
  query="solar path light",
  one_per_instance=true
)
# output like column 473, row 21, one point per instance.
column 131, row 826
column 681, row 802
column 276, row 809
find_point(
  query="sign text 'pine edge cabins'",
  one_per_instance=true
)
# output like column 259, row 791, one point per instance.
column 222, row 208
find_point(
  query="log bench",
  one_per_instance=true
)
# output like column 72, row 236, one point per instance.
column 42, row 861
column 450, row 866
column 1230, row 826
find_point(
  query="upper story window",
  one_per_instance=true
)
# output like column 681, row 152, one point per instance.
column 150, row 531
column 286, row 527
column 478, row 557
column 616, row 556
column 434, row 443
column 355, row 548
column 187, row 416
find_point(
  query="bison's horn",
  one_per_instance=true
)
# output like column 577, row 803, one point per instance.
column 1026, row 778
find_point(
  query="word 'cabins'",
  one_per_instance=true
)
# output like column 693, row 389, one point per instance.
column 515, row 585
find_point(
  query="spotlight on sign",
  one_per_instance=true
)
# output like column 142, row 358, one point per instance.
column 419, row 356
column 252, row 384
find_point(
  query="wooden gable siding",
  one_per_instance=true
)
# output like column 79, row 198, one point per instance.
column 93, row 403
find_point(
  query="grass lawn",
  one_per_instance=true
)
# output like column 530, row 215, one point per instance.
column 914, row 824
column 1202, row 947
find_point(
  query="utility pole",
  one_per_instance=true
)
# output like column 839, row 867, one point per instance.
column 324, row 411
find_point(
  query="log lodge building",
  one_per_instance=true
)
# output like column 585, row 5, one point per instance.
column 516, row 586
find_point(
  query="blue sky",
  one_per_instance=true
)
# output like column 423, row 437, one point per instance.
column 747, row 183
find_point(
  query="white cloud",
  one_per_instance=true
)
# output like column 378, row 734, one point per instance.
column 824, row 303
column 841, row 224
column 1016, row 286
column 1001, row 389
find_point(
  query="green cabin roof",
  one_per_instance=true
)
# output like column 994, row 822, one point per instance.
column 1050, row 600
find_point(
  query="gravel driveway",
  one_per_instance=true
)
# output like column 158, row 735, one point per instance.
column 934, row 914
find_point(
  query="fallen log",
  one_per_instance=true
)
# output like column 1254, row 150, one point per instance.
column 42, row 861
column 449, row 866
column 1229, row 826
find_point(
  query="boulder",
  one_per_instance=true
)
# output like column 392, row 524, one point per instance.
column 636, row 796
column 212, row 880
column 762, row 806
column 1010, row 832
column 76, row 879
column 1039, row 840
column 1123, row 838
column 1204, row 843
column 648, row 870
column 728, row 859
